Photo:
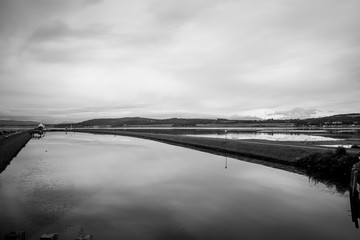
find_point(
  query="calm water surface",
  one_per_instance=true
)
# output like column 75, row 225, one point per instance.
column 128, row 188
column 266, row 136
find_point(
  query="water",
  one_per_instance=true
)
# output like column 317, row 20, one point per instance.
column 338, row 145
column 128, row 188
column 266, row 136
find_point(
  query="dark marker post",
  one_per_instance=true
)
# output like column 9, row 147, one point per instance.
column 226, row 157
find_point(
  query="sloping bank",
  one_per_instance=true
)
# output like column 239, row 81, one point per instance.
column 10, row 146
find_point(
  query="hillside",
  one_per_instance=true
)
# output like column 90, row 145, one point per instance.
column 341, row 119
column 352, row 119
column 136, row 121
column 17, row 123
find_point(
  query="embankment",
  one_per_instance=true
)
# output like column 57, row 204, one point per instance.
column 263, row 150
column 10, row 146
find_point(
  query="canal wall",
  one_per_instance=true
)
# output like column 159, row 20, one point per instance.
column 263, row 150
column 10, row 146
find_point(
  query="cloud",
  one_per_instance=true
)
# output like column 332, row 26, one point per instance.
column 18, row 15
column 57, row 115
column 91, row 2
column 242, row 117
column 215, row 58
column 57, row 42
column 179, row 12
column 296, row 113
column 58, row 30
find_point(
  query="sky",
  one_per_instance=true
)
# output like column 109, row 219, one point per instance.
column 73, row 60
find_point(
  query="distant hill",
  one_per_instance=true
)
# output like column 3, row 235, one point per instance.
column 138, row 121
column 17, row 123
column 342, row 119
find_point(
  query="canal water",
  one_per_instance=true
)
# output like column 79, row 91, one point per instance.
column 266, row 136
column 126, row 188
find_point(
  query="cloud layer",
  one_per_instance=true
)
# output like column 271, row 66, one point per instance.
column 178, row 58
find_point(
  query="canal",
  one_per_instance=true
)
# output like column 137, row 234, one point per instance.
column 118, row 187
column 265, row 136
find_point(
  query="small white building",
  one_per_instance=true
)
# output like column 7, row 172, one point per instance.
column 40, row 127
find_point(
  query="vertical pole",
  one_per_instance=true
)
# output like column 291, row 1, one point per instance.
column 353, row 183
column 226, row 140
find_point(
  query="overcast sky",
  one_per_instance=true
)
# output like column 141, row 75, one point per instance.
column 72, row 60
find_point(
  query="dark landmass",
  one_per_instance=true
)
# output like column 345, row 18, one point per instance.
column 352, row 119
column 17, row 123
column 10, row 146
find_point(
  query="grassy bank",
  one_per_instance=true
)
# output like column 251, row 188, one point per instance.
column 335, row 166
column 10, row 146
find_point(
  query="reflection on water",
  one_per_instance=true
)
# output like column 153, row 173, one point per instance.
column 354, row 194
column 265, row 136
column 338, row 145
column 127, row 188
column 355, row 208
column 38, row 135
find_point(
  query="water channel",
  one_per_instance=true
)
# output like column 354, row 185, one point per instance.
column 266, row 136
column 126, row 188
